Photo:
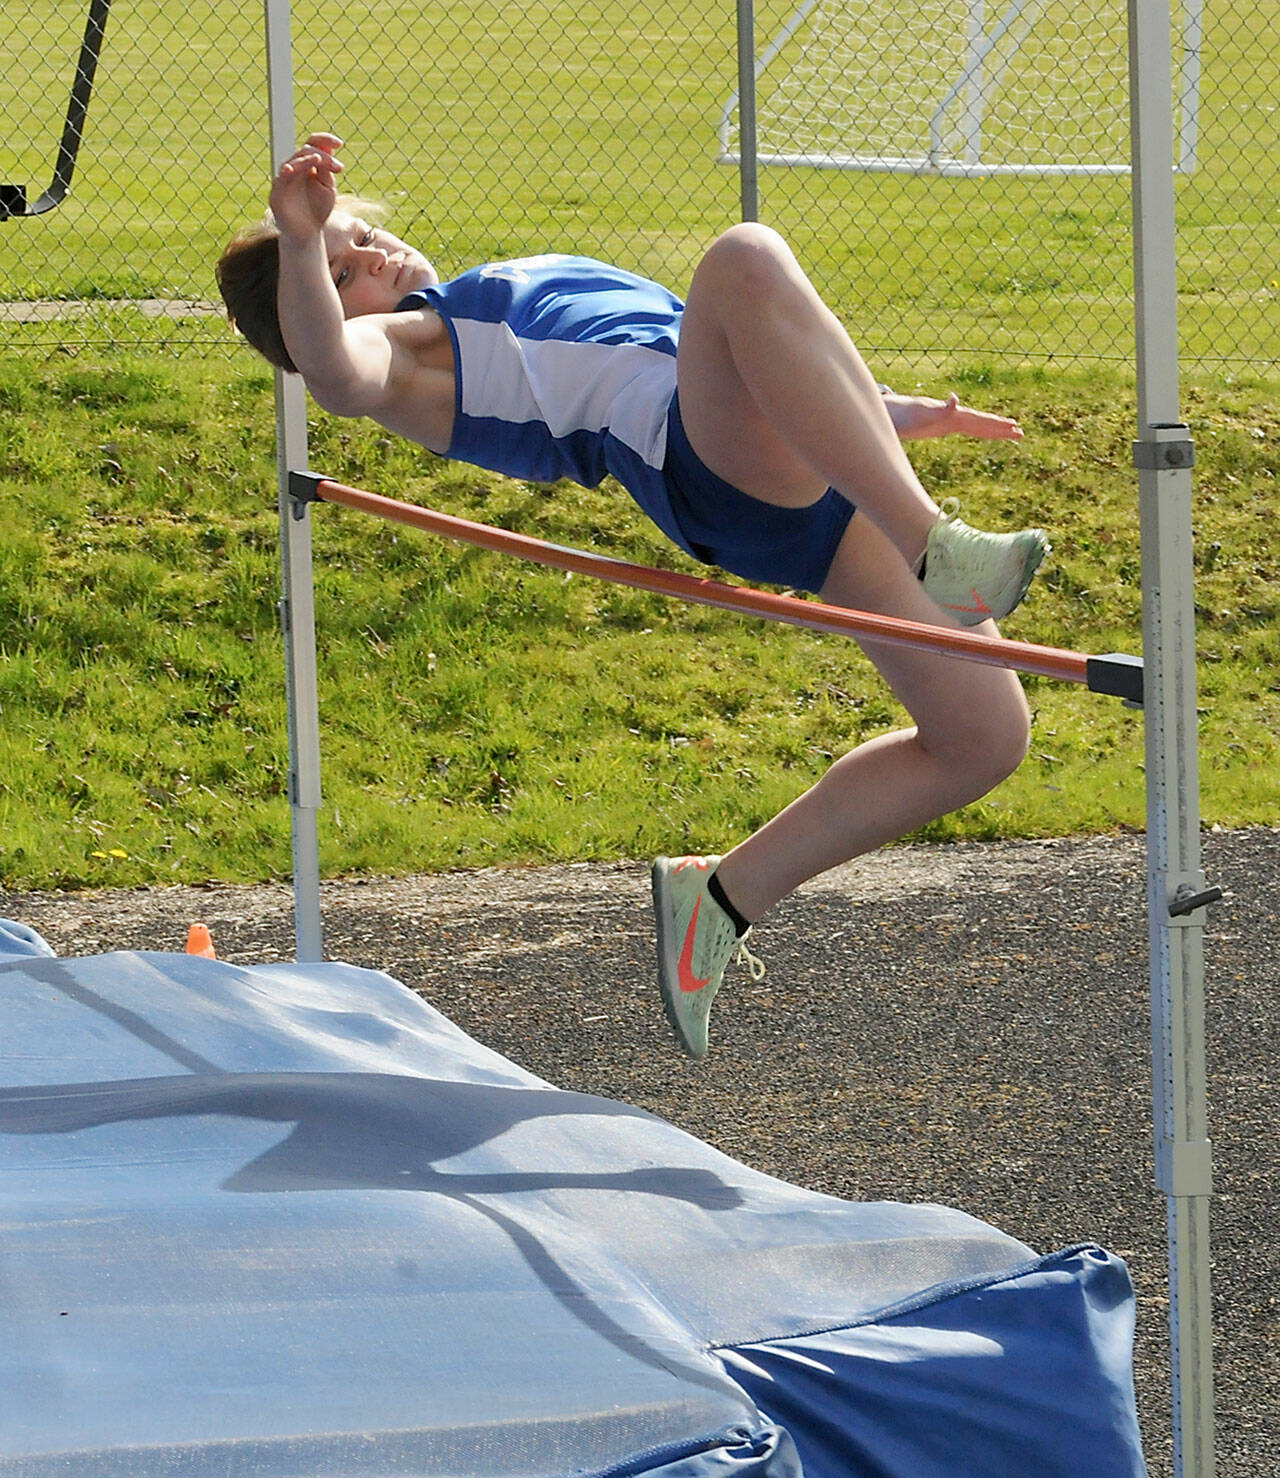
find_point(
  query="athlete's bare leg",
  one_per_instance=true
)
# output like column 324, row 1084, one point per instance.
column 971, row 731
column 776, row 399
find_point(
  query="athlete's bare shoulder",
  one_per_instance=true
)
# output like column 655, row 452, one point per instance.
column 418, row 399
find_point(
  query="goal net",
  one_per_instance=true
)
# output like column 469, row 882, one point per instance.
column 957, row 87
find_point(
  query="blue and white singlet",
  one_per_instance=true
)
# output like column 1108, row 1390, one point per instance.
column 565, row 367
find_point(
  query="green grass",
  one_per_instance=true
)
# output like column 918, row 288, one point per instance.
column 476, row 711
column 480, row 712
column 498, row 129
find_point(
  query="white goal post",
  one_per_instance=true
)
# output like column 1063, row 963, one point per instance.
column 954, row 87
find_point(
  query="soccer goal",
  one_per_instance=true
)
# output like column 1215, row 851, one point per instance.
column 955, row 87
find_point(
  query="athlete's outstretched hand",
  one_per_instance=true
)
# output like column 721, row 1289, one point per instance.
column 304, row 189
column 918, row 416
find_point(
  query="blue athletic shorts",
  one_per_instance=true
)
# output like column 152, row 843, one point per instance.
column 750, row 538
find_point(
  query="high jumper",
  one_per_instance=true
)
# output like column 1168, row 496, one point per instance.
column 742, row 420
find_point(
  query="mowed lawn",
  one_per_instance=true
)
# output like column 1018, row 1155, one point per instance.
column 586, row 125
column 477, row 711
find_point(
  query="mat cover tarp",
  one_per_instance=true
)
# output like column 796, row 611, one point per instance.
column 290, row 1220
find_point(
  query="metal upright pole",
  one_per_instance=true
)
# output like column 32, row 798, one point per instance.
column 1177, row 893
column 748, row 162
column 297, row 607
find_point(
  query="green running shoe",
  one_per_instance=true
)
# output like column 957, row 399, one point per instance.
column 975, row 575
column 696, row 940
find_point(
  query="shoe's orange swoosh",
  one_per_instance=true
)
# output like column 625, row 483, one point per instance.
column 689, row 982
column 982, row 608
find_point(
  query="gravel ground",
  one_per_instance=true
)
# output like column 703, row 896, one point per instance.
column 965, row 1024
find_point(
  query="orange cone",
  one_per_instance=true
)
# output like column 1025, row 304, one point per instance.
column 200, row 942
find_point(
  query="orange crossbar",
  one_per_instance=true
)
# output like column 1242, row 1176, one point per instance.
column 1055, row 662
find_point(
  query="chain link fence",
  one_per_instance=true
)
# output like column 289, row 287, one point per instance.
column 953, row 177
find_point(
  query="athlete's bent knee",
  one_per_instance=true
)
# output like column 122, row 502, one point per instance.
column 1003, row 745
column 989, row 745
column 1007, row 746
column 748, row 258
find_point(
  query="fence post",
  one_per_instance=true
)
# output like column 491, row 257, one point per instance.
column 748, row 160
column 297, row 603
column 1163, row 454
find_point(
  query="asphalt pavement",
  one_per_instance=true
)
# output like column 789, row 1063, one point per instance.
column 965, row 1024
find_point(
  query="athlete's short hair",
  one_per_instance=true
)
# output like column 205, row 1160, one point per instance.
column 248, row 273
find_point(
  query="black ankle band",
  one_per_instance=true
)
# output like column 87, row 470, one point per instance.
column 716, row 889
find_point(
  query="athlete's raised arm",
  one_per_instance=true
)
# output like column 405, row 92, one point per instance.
column 346, row 363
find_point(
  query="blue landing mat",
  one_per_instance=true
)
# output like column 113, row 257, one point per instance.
column 290, row 1221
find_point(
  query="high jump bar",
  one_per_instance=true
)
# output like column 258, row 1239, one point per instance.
column 1115, row 674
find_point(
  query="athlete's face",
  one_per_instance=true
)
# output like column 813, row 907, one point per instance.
column 371, row 268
